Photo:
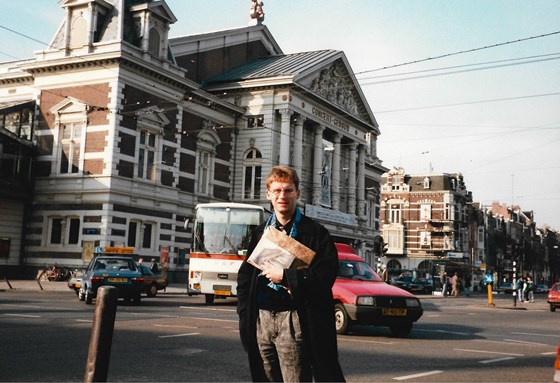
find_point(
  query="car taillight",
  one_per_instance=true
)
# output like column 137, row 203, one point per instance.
column 138, row 280
column 96, row 279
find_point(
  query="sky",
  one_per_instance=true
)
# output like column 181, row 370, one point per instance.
column 456, row 86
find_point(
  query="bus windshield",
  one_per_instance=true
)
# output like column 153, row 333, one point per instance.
column 224, row 230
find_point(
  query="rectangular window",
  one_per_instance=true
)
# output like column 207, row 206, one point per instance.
column 146, row 156
column 74, row 231
column 395, row 183
column 425, row 238
column 4, row 247
column 70, row 148
column 147, row 238
column 203, row 172
column 56, row 231
column 425, row 212
column 132, row 233
column 395, row 214
column 255, row 121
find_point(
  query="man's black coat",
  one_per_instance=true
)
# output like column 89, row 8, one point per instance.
column 311, row 289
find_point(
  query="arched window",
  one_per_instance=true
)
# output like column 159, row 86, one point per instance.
column 78, row 33
column 252, row 176
column 393, row 264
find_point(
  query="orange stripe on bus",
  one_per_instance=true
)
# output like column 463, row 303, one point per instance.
column 231, row 257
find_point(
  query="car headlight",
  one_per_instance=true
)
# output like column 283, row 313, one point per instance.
column 412, row 302
column 365, row 301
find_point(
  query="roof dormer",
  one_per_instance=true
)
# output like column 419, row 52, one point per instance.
column 83, row 24
column 152, row 21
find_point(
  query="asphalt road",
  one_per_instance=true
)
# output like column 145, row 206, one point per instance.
column 45, row 335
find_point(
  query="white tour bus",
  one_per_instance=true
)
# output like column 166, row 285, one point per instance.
column 221, row 234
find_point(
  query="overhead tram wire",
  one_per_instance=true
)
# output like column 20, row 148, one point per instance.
column 459, row 53
column 557, row 56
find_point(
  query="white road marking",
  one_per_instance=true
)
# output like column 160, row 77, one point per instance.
column 177, row 335
column 173, row 326
column 84, row 320
column 23, row 315
column 524, row 342
column 207, row 308
column 363, row 341
column 418, row 375
column 533, row 334
column 487, row 352
column 495, row 360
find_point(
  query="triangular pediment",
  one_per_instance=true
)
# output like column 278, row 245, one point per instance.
column 159, row 8
column 69, row 105
column 152, row 118
column 335, row 83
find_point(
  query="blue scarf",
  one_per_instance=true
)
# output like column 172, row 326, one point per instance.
column 293, row 232
column 297, row 220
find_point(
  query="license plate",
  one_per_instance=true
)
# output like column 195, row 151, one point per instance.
column 222, row 292
column 117, row 280
column 393, row 312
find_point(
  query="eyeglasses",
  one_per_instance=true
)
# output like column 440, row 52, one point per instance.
column 287, row 192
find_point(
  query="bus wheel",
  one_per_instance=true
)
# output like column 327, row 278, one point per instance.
column 209, row 299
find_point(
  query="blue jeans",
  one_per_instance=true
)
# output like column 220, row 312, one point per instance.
column 280, row 344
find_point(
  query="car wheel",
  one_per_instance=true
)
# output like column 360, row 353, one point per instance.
column 341, row 319
column 81, row 295
column 209, row 299
column 89, row 297
column 552, row 308
column 401, row 330
column 152, row 291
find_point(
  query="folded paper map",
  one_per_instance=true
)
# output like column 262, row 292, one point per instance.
column 280, row 250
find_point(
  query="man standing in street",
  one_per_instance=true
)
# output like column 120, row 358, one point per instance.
column 286, row 316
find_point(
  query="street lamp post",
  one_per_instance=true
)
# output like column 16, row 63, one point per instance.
column 513, row 284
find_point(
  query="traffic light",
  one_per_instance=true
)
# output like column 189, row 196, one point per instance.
column 384, row 248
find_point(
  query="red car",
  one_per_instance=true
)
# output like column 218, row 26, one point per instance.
column 361, row 297
column 554, row 296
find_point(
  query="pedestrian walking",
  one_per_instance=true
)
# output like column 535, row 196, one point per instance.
column 468, row 285
column 455, row 285
column 519, row 286
column 444, row 282
column 530, row 290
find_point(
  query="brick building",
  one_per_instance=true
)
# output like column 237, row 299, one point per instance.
column 130, row 129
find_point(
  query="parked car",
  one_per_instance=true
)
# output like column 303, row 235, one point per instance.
column 361, row 297
column 415, row 285
column 118, row 271
column 152, row 282
column 505, row 287
column 541, row 289
column 554, row 296
column 75, row 281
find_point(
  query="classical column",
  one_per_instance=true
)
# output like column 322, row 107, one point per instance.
column 336, row 173
column 286, row 114
column 317, row 164
column 298, row 144
column 352, row 180
column 360, row 191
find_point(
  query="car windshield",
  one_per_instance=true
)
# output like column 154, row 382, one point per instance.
column 114, row 264
column 357, row 270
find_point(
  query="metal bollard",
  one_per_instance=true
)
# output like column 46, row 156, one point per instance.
column 490, row 298
column 99, row 353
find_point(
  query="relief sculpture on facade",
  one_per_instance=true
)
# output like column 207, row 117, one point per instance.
column 332, row 85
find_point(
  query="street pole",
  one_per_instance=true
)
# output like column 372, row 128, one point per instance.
column 513, row 284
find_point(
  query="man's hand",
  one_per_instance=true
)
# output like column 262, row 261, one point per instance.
column 273, row 273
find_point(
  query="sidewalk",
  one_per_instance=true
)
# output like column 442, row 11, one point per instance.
column 33, row 285
column 499, row 301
